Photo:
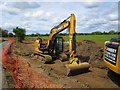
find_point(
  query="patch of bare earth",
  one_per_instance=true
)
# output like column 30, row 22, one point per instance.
column 89, row 51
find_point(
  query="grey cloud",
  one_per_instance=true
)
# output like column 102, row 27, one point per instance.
column 10, row 10
column 112, row 9
column 43, row 19
column 23, row 5
column 111, row 14
column 91, row 4
column 13, row 13
column 15, row 8
column 112, row 17
column 115, row 19
column 93, row 22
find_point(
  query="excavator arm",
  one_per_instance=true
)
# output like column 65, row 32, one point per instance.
column 56, row 30
column 72, row 34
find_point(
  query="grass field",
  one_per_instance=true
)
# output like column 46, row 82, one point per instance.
column 96, row 38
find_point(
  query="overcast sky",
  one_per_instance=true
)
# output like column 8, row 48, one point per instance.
column 40, row 17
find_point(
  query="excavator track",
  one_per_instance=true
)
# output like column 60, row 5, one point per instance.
column 44, row 58
column 63, row 57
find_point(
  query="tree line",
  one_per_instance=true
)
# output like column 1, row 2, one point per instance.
column 20, row 33
column 93, row 33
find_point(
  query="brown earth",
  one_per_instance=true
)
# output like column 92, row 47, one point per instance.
column 97, row 77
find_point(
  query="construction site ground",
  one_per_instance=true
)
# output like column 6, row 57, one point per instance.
column 98, row 75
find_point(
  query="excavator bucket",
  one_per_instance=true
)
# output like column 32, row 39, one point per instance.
column 74, row 69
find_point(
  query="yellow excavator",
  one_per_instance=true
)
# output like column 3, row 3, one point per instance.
column 112, row 54
column 53, row 47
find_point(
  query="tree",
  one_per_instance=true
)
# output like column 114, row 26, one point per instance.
column 111, row 32
column 10, row 35
column 97, row 33
column 3, row 32
column 37, row 34
column 118, row 33
column 32, row 35
column 19, row 33
column 105, row 33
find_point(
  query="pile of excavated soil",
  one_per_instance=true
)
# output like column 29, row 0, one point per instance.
column 87, row 51
column 91, row 52
column 23, row 49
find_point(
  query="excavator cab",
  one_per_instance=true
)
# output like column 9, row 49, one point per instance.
column 59, row 48
column 58, row 42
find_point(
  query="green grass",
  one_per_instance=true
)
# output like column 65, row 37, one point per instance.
column 43, row 37
column 98, row 38
column 95, row 38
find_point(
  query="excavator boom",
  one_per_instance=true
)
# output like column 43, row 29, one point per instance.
column 56, row 30
column 72, row 34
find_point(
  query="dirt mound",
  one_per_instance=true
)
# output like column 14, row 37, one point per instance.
column 23, row 49
column 89, row 51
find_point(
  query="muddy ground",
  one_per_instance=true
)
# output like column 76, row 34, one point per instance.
column 97, row 76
